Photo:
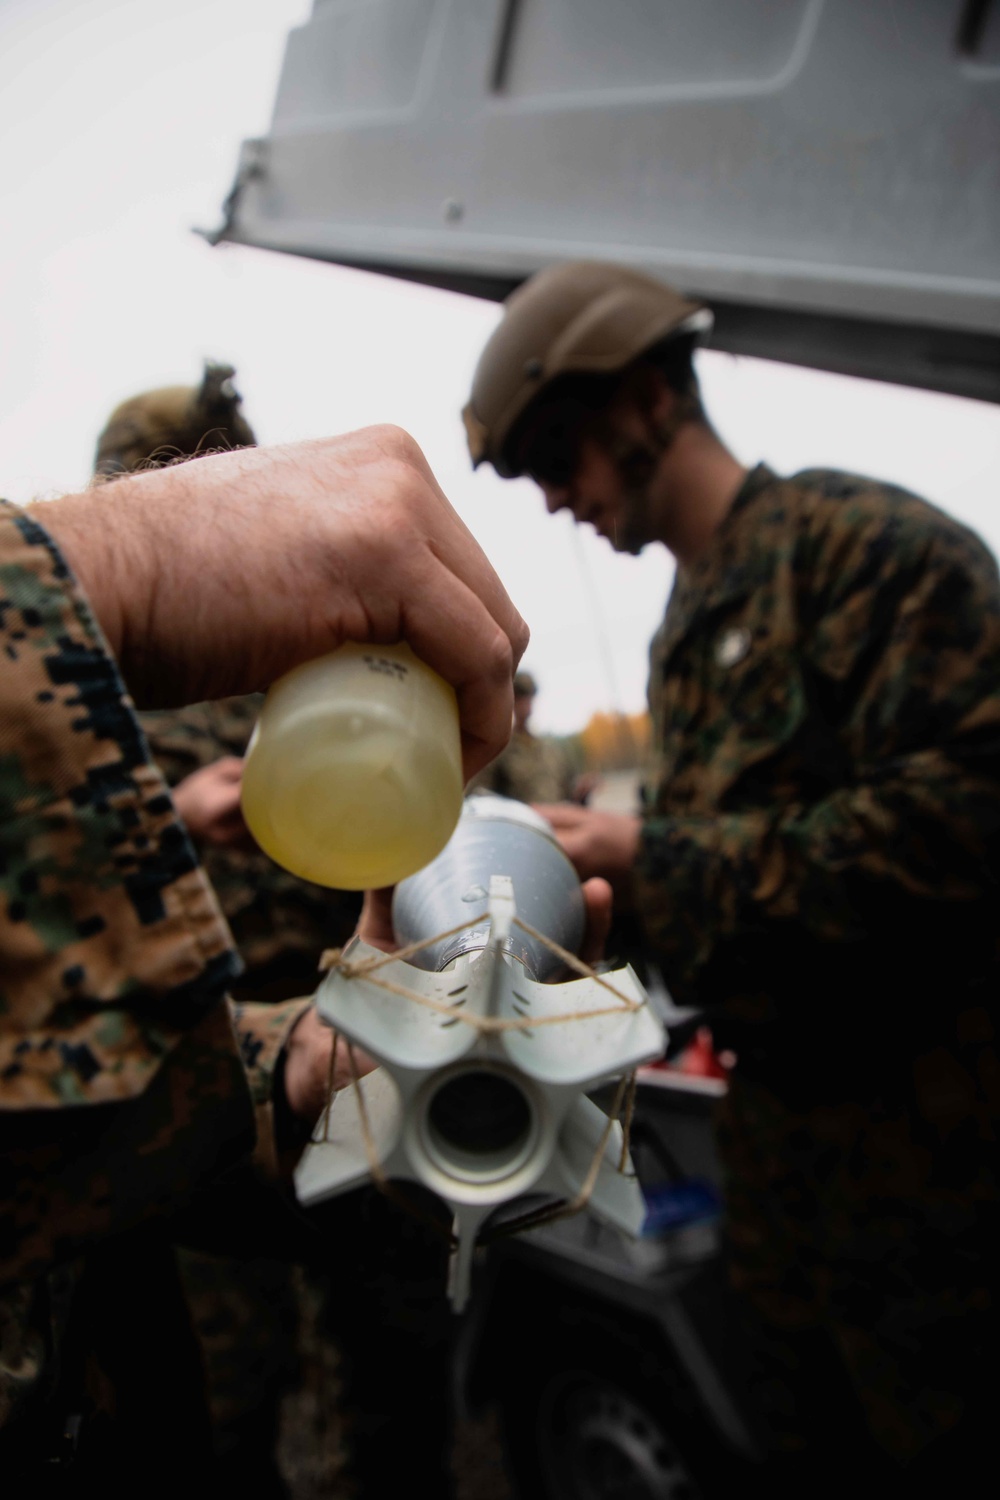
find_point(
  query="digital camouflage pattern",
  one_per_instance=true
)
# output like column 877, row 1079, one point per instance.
column 530, row 769
column 281, row 924
column 121, row 1084
column 820, row 866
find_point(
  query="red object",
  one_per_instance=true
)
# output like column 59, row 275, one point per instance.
column 701, row 1059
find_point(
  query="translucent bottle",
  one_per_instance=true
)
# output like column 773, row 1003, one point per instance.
column 353, row 777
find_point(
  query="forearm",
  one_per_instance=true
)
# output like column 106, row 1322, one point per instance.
column 94, row 532
column 262, row 1032
column 215, row 578
column 120, row 1084
column 133, row 546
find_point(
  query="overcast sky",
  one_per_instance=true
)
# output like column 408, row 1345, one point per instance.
column 119, row 127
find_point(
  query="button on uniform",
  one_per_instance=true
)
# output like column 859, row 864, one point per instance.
column 733, row 646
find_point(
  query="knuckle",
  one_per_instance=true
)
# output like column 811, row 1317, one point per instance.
column 396, row 445
column 407, row 495
column 499, row 657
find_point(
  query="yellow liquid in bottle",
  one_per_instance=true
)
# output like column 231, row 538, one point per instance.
column 353, row 778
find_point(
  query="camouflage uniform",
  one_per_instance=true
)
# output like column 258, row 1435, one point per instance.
column 247, row 1313
column 819, row 865
column 281, row 924
column 122, row 1090
column 530, row 769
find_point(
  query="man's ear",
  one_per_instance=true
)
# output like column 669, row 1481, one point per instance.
column 645, row 394
column 661, row 398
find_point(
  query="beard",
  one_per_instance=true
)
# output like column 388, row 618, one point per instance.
column 636, row 459
column 632, row 529
column 635, row 465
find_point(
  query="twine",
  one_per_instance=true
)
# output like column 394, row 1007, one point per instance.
column 550, row 1213
column 330, row 1090
column 382, row 1183
column 333, row 958
column 366, row 968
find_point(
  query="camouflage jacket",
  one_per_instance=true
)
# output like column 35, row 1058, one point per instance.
column 281, row 925
column 530, row 769
column 820, row 865
column 122, row 1087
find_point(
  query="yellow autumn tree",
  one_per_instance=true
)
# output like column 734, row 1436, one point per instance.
column 616, row 742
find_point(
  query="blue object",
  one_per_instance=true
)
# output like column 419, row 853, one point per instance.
column 673, row 1205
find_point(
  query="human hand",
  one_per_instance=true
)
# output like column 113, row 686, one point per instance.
column 585, row 786
column 209, row 803
column 597, row 842
column 598, row 900
column 375, row 924
column 307, row 1051
column 307, row 1066
column 217, row 577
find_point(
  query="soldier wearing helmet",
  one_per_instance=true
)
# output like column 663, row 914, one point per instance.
column 176, row 421
column 816, row 864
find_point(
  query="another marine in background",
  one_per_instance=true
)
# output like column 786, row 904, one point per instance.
column 816, row 865
column 176, row 421
column 533, row 768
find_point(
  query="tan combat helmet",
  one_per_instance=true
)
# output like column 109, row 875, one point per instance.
column 579, row 318
column 177, row 421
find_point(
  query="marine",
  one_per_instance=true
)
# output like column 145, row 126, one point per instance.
column 131, row 1091
column 174, row 422
column 816, row 866
column 531, row 768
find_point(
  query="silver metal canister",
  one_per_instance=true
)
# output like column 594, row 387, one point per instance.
column 495, row 836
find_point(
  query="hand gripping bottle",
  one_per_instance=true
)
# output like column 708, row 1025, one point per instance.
column 353, row 777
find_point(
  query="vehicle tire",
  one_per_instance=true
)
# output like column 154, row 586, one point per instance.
column 596, row 1419
column 597, row 1441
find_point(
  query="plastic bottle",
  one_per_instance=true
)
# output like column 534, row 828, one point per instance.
column 353, row 777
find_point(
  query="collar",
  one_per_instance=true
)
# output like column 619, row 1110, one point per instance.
column 719, row 573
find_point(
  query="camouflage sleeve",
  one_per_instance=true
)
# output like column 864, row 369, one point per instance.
column 900, row 649
column 120, row 1081
column 182, row 740
column 563, row 771
column 262, row 1031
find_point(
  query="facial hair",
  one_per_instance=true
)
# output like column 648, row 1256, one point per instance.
column 636, row 460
